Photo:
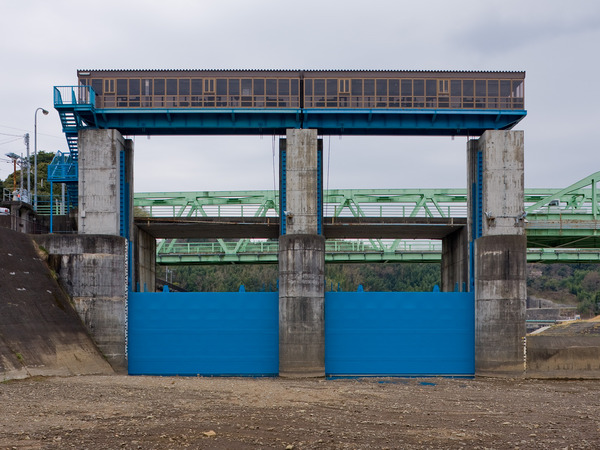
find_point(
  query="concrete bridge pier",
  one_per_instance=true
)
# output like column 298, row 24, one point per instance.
column 93, row 266
column 301, row 258
column 455, row 261
column 497, row 231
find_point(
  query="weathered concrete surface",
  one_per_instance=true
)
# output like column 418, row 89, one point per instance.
column 22, row 218
column 99, row 180
column 93, row 271
column 570, row 350
column 40, row 332
column 500, row 293
column 144, row 246
column 301, row 262
column 301, row 306
column 503, row 182
column 500, row 253
column 302, row 182
column 455, row 261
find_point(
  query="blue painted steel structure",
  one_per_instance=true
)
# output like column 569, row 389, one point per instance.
column 237, row 333
column 476, row 213
column 366, row 333
column 203, row 333
column 77, row 110
column 399, row 333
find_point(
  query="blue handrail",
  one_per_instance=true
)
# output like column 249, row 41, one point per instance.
column 74, row 95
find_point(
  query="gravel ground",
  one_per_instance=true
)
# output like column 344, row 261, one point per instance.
column 98, row 412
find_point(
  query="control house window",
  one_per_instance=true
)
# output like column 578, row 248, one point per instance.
column 209, row 86
column 344, row 86
column 109, row 86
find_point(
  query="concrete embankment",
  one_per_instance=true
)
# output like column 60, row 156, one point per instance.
column 40, row 331
column 569, row 350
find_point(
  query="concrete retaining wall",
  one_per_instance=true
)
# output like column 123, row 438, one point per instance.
column 563, row 356
column 93, row 271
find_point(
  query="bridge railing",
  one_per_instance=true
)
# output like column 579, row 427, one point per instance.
column 74, row 95
column 178, row 247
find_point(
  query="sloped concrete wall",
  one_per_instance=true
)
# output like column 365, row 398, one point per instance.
column 93, row 271
column 40, row 331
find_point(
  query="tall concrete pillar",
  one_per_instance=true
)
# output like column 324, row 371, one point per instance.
column 99, row 270
column 496, row 208
column 301, row 260
column 105, row 179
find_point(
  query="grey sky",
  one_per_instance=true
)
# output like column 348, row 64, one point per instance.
column 43, row 43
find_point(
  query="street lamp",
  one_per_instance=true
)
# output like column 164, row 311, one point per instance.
column 35, row 196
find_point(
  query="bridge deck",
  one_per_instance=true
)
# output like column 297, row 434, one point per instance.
column 268, row 227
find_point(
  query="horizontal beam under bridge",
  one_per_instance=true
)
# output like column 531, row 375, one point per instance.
column 268, row 227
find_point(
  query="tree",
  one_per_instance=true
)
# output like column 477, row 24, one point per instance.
column 43, row 160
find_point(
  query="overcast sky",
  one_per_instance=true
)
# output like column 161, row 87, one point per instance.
column 43, row 43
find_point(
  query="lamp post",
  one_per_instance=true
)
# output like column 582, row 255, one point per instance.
column 35, row 196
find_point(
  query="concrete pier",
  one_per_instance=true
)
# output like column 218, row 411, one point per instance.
column 455, row 261
column 301, row 262
column 92, row 270
column 100, row 181
column 93, row 267
column 144, row 255
column 496, row 181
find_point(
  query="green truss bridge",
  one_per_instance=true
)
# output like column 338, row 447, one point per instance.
column 387, row 225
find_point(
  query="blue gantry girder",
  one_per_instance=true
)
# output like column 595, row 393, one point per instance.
column 76, row 107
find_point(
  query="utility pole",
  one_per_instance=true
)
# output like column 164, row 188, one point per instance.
column 21, row 177
column 15, row 175
column 28, row 167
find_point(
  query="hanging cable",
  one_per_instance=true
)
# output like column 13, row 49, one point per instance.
column 328, row 159
column 11, row 140
column 274, row 177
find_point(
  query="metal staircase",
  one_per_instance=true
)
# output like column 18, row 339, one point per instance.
column 68, row 101
column 64, row 169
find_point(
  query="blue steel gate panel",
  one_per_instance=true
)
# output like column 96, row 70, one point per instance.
column 399, row 333
column 203, row 333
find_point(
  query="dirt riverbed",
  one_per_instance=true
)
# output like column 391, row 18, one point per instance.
column 110, row 412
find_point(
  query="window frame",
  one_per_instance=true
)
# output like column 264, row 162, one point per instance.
column 210, row 86
column 344, row 86
column 109, row 86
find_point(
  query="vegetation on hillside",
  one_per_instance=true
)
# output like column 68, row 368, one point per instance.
column 43, row 160
column 573, row 284
column 345, row 277
column 576, row 284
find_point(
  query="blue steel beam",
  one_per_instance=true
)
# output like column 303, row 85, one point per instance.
column 402, row 122
column 77, row 109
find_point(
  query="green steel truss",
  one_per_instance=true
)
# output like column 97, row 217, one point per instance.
column 562, row 225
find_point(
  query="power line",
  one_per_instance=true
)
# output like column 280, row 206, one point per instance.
column 12, row 128
column 10, row 141
column 6, row 134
